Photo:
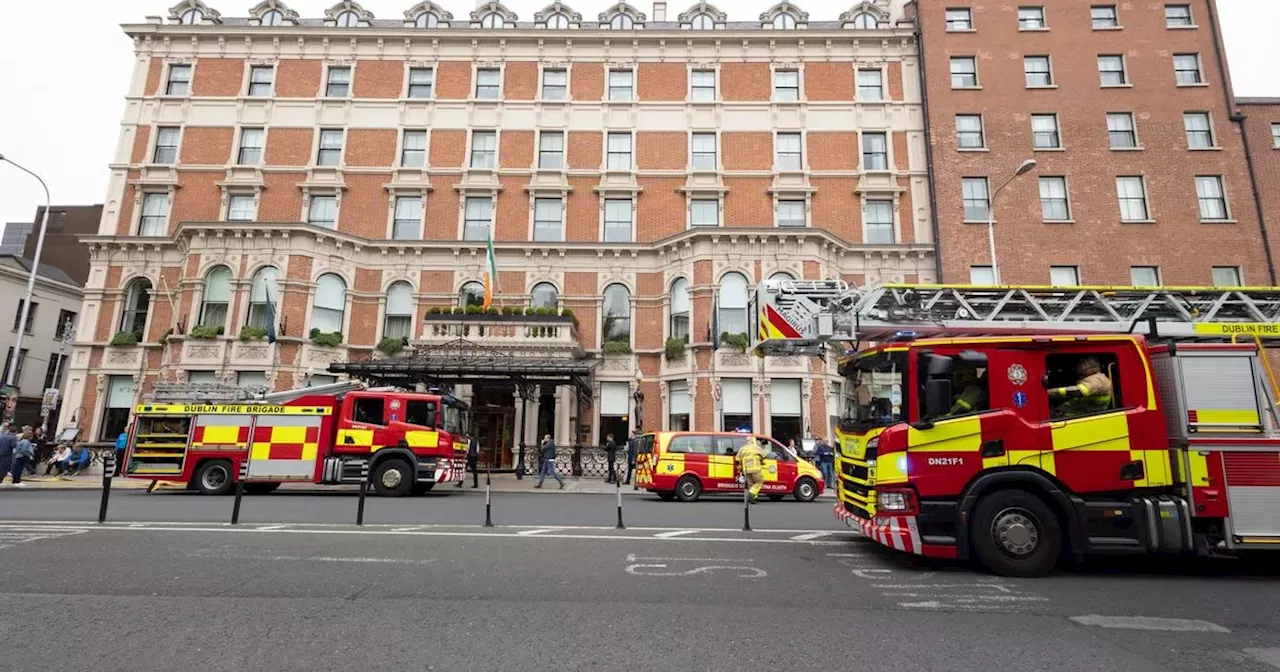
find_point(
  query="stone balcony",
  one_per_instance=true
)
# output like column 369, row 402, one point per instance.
column 513, row 333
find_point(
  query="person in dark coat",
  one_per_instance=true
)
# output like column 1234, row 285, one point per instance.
column 473, row 457
column 611, row 454
column 633, row 448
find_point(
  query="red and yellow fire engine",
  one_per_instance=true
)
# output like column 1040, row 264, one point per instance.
column 408, row 441
column 964, row 434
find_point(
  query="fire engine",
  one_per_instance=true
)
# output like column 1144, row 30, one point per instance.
column 1183, row 456
column 203, row 435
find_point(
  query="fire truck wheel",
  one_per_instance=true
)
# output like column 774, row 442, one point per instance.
column 393, row 478
column 1014, row 533
column 214, row 478
column 806, row 490
column 688, row 489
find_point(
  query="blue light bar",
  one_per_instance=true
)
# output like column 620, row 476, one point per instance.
column 901, row 336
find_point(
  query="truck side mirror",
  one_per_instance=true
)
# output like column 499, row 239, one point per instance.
column 937, row 397
column 935, row 366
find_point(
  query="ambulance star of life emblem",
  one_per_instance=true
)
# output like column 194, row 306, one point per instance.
column 671, row 467
column 1017, row 374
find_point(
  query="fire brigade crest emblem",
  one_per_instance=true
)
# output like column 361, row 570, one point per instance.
column 1017, row 374
column 395, row 404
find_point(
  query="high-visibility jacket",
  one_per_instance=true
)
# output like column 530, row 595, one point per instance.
column 751, row 458
column 968, row 401
column 1090, row 395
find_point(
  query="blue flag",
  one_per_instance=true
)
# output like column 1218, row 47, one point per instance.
column 271, row 313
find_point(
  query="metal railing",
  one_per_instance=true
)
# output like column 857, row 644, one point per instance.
column 578, row 461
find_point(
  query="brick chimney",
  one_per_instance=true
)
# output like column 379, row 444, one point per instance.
column 659, row 11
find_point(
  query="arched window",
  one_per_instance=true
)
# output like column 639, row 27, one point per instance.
column 781, row 275
column 492, row 20
column 557, row 21
column 865, row 21
column 733, row 303
column 621, row 22
column 544, row 295
column 471, row 294
column 680, row 309
column 426, row 20
column 784, row 21
column 399, row 320
column 348, row 20
column 273, row 18
column 616, row 324
column 264, row 296
column 329, row 303
column 702, row 22
column 191, row 17
column 137, row 303
column 217, row 297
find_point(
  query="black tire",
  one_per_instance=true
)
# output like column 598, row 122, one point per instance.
column 777, row 498
column 688, row 489
column 1015, row 533
column 260, row 488
column 666, row 496
column 214, row 477
column 806, row 490
column 393, row 478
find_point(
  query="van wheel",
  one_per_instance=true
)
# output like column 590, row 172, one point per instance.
column 666, row 496
column 806, row 490
column 1015, row 533
column 214, row 478
column 393, row 478
column 688, row 489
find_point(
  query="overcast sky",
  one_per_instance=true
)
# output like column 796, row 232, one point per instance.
column 67, row 66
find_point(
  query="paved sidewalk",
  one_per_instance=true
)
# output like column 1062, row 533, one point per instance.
column 501, row 483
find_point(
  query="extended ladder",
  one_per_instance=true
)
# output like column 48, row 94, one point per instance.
column 799, row 317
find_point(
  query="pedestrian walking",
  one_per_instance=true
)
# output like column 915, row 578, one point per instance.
column 8, row 442
column 473, row 457
column 611, row 454
column 633, row 448
column 122, row 442
column 22, row 454
column 547, row 456
column 826, row 457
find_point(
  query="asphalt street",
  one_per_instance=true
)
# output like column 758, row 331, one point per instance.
column 286, row 597
column 450, row 507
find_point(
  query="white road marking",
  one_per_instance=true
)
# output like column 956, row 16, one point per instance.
column 406, row 529
column 540, row 530
column 1270, row 656
column 394, row 561
column 674, row 533
column 962, row 597
column 272, row 527
column 62, row 524
column 632, row 557
column 743, row 571
column 810, row 536
column 935, row 604
column 915, row 586
column 862, row 573
column 1149, row 623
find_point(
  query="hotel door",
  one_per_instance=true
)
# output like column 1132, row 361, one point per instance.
column 494, row 431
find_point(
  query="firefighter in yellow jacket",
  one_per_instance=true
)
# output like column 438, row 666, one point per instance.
column 1091, row 393
column 751, row 462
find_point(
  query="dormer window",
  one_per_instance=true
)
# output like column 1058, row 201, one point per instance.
column 865, row 21
column 273, row 13
column 273, row 18
column 426, row 20
column 702, row 22
column 492, row 20
column 784, row 22
column 622, row 22
column 192, row 17
column 557, row 21
column 348, row 20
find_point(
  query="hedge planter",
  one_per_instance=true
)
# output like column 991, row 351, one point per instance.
column 392, row 346
column 326, row 339
column 205, row 333
column 248, row 333
column 125, row 339
column 499, row 317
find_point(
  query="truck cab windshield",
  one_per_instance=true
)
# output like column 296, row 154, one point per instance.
column 874, row 386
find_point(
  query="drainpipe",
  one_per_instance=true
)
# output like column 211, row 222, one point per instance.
column 928, row 148
column 1238, row 118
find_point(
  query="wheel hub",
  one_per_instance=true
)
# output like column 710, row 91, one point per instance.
column 391, row 478
column 1016, row 532
column 214, row 478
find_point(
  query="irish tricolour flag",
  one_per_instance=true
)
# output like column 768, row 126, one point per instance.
column 491, row 271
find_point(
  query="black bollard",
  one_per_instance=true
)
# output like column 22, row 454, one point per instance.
column 746, row 504
column 108, row 467
column 488, row 496
column 364, row 489
column 617, row 482
column 235, row 509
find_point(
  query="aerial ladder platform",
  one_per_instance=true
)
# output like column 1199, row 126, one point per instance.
column 809, row 316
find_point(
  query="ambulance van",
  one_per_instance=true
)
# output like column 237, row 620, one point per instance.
column 685, row 465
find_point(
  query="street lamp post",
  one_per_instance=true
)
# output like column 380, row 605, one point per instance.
column 31, row 277
column 1023, row 169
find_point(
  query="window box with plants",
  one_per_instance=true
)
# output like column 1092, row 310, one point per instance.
column 326, row 339
column 392, row 346
column 204, row 332
column 519, row 314
column 616, row 347
column 734, row 342
column 126, row 339
column 674, row 350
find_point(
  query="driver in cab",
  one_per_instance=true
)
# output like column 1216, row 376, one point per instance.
column 973, row 391
column 1091, row 393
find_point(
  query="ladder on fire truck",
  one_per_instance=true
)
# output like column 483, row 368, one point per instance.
column 802, row 316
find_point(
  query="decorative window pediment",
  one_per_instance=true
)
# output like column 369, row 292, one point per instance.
column 703, row 16
column 557, row 16
column 493, row 15
column 427, row 15
column 867, row 15
column 784, row 16
column 193, row 13
column 274, row 13
column 347, row 14
column 622, row 17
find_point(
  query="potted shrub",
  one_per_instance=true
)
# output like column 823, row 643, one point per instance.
column 326, row 339
column 673, row 351
column 125, row 339
column 206, row 332
column 616, row 348
column 393, row 346
column 250, row 333
column 737, row 342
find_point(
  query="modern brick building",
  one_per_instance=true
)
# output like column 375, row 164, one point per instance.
column 1261, row 120
column 1140, row 173
column 342, row 173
